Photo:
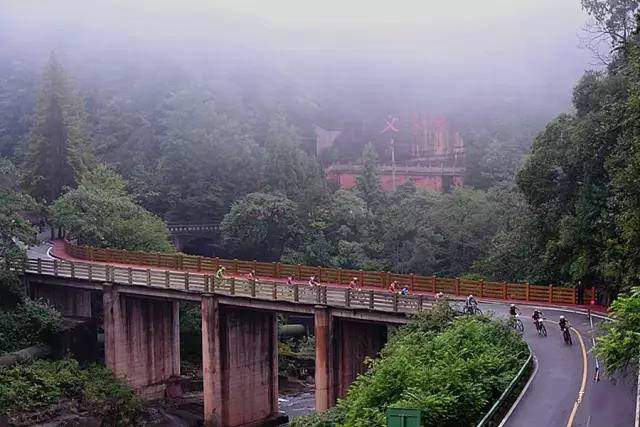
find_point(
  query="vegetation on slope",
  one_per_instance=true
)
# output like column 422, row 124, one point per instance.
column 452, row 369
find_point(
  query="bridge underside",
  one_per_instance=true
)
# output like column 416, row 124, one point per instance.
column 239, row 343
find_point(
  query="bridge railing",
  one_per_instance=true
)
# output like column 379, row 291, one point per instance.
column 200, row 282
column 377, row 279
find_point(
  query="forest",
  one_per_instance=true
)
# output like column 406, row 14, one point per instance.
column 110, row 152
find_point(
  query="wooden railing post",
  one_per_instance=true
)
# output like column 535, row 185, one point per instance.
column 340, row 276
column 412, row 282
column 199, row 263
column 148, row 277
column 232, row 286
column 179, row 261
column 299, row 275
column 371, row 301
column 130, row 275
column 575, row 296
column 527, row 290
column 167, row 279
column 347, row 297
column 433, row 284
column 158, row 259
column 235, row 265
column 550, row 293
column 255, row 265
column 186, row 280
column 252, row 284
column 296, row 295
column 277, row 269
column 504, row 290
column 40, row 266
column 90, row 273
column 91, row 256
column 361, row 278
column 395, row 302
column 456, row 285
column 382, row 278
column 55, row 267
column 319, row 274
column 73, row 270
column 481, row 288
column 274, row 294
column 216, row 263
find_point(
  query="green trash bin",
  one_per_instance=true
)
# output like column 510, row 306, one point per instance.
column 402, row 417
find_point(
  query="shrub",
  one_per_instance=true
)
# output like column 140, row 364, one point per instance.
column 28, row 323
column 26, row 387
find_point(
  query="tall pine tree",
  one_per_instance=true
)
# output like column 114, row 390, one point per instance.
column 58, row 152
column 368, row 183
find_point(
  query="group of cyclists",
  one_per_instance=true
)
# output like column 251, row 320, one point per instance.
column 471, row 307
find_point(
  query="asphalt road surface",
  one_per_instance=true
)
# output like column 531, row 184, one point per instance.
column 565, row 376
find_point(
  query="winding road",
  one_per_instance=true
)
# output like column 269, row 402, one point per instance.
column 562, row 391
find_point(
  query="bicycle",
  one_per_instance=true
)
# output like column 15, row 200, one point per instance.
column 542, row 330
column 516, row 323
column 566, row 334
column 472, row 310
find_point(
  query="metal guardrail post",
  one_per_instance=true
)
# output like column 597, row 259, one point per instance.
column 167, row 279
column 55, row 267
column 371, row 302
column 186, row 281
column 395, row 303
column 232, row 286
column 347, row 297
column 39, row 266
column 296, row 294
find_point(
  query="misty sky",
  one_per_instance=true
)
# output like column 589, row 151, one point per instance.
column 508, row 46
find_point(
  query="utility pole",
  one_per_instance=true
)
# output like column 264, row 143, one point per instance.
column 392, row 128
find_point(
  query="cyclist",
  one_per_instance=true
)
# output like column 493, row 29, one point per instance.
column 289, row 280
column 219, row 276
column 537, row 317
column 251, row 275
column 313, row 281
column 404, row 291
column 471, row 304
column 563, row 323
column 393, row 286
column 353, row 284
column 513, row 310
column 439, row 296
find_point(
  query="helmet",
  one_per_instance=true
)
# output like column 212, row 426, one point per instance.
column 470, row 296
column 513, row 305
column 355, row 278
column 561, row 317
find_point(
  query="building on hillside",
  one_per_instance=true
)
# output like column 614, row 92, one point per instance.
column 426, row 150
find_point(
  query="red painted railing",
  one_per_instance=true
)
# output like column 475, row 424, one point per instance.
column 416, row 283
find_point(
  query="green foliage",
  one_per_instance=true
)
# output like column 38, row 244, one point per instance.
column 26, row 387
column 260, row 226
column 452, row 369
column 190, row 332
column 28, row 323
column 14, row 228
column 58, row 151
column 619, row 345
column 368, row 183
column 101, row 213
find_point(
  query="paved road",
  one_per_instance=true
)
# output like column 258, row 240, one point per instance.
column 551, row 397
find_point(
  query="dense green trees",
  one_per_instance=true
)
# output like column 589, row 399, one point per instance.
column 58, row 148
column 260, row 226
column 101, row 213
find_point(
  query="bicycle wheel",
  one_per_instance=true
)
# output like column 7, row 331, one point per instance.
column 543, row 329
column 567, row 337
column 478, row 311
column 519, row 325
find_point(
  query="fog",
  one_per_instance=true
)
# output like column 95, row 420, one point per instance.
column 343, row 57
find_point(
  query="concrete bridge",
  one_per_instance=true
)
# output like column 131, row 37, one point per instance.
column 239, row 330
column 138, row 294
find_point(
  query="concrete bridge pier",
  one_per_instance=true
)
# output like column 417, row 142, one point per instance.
column 342, row 345
column 142, row 340
column 240, row 365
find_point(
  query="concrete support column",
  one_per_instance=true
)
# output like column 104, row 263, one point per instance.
column 70, row 302
column 142, row 340
column 325, row 360
column 211, row 361
column 240, row 365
